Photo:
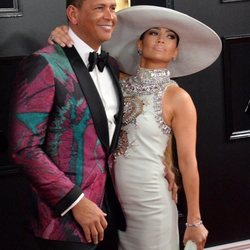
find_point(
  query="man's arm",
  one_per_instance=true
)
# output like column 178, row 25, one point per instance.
column 31, row 106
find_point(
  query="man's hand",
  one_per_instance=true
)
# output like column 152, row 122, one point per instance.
column 91, row 218
column 172, row 186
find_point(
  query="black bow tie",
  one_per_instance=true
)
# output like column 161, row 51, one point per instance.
column 99, row 60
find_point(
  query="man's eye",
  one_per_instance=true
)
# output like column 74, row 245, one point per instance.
column 99, row 7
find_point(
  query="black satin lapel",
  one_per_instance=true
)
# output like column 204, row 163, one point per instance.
column 91, row 94
column 118, row 117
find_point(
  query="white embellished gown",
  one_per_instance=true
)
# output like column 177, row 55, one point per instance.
column 151, row 214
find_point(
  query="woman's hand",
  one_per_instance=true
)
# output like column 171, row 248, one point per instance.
column 196, row 234
column 60, row 35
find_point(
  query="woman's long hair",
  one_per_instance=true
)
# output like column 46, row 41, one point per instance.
column 171, row 159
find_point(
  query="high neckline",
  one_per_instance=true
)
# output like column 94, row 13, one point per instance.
column 164, row 72
column 152, row 77
column 147, row 81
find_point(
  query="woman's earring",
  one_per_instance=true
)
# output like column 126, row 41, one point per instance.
column 139, row 52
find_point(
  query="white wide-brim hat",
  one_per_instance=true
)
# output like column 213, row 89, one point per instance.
column 199, row 45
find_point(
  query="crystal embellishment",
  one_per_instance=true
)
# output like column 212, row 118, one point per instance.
column 133, row 106
column 148, row 82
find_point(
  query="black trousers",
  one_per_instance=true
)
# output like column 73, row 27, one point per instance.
column 106, row 244
column 110, row 241
column 43, row 244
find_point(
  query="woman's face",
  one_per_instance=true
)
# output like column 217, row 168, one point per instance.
column 158, row 47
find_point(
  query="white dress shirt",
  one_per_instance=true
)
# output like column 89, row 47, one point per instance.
column 103, row 83
column 105, row 88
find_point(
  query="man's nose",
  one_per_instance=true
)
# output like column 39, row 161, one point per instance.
column 109, row 14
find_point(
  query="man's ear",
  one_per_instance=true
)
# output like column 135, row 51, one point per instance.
column 72, row 14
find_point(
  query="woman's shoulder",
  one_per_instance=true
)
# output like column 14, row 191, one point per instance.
column 175, row 91
column 171, row 87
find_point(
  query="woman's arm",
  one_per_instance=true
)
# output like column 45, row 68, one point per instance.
column 180, row 114
column 60, row 36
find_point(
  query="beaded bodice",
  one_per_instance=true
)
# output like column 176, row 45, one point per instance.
column 143, row 94
column 147, row 81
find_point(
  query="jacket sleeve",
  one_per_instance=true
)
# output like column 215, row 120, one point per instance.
column 32, row 102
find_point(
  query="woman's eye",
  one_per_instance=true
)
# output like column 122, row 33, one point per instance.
column 171, row 36
column 154, row 33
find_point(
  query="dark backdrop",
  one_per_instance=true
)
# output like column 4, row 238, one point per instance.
column 224, row 165
column 6, row 4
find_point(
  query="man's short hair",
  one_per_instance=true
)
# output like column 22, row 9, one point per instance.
column 76, row 3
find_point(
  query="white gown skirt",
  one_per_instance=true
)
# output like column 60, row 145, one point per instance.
column 151, row 214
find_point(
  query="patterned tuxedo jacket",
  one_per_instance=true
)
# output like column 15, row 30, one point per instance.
column 59, row 135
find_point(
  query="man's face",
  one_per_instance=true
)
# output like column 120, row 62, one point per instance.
column 94, row 21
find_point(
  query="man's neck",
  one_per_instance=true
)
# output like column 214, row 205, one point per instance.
column 92, row 45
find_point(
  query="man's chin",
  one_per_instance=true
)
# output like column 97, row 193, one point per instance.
column 106, row 38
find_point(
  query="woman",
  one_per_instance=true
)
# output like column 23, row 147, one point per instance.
column 166, row 42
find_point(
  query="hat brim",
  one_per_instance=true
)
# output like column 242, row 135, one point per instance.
column 199, row 45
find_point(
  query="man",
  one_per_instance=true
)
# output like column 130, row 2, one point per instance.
column 65, row 125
